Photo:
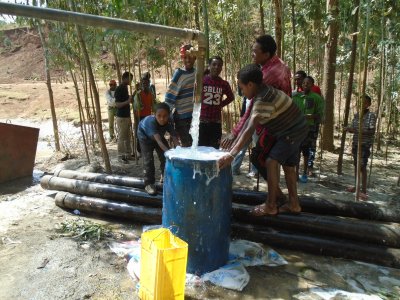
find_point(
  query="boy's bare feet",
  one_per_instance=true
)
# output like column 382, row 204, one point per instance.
column 264, row 210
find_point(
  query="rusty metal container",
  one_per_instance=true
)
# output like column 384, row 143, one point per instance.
column 17, row 151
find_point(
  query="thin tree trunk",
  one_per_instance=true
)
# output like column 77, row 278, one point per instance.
column 362, row 106
column 206, row 29
column 283, row 4
column 381, row 94
column 261, row 10
column 278, row 26
column 340, row 96
column 81, row 115
column 49, row 89
column 328, row 86
column 294, row 39
column 308, row 54
column 196, row 14
column 100, row 135
column 116, row 61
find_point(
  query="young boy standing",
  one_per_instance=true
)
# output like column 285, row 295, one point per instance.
column 312, row 106
column 277, row 113
column 144, row 103
column 122, row 102
column 214, row 89
column 112, row 109
column 180, row 95
column 368, row 131
column 151, row 133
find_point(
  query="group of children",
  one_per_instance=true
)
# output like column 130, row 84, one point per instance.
column 285, row 125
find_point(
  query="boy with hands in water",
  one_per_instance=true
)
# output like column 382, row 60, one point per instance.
column 277, row 113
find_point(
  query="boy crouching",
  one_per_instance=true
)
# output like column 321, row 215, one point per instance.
column 151, row 133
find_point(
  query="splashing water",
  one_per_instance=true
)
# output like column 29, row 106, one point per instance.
column 194, row 127
column 195, row 156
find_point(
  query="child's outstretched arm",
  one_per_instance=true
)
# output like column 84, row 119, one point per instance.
column 160, row 143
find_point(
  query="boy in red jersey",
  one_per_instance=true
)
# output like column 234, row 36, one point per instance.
column 214, row 89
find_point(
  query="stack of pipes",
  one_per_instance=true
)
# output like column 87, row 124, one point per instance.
column 352, row 230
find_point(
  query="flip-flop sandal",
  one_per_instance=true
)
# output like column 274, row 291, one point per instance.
column 259, row 211
column 284, row 209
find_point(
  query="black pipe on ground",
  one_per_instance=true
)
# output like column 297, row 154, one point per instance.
column 352, row 229
column 137, row 213
column 388, row 257
column 387, row 234
column 310, row 244
column 126, row 181
column 359, row 210
column 104, row 191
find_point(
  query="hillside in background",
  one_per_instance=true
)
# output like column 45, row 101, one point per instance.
column 21, row 56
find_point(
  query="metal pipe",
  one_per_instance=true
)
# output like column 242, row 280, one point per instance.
column 360, row 210
column 100, row 21
column 363, row 231
column 114, row 23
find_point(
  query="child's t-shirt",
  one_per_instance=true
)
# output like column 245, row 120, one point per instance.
column 214, row 90
column 368, row 128
column 147, row 101
column 279, row 114
column 149, row 126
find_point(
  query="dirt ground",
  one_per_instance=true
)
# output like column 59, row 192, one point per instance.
column 37, row 262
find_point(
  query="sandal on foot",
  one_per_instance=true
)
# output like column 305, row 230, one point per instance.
column 351, row 189
column 285, row 209
column 259, row 211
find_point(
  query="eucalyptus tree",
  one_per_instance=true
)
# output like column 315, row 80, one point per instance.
column 328, row 86
column 354, row 35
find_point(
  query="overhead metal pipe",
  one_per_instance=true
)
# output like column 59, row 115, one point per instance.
column 100, row 21
column 59, row 15
column 360, row 210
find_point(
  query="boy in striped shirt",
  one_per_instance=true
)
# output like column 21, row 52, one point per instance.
column 277, row 113
column 368, row 132
column 179, row 95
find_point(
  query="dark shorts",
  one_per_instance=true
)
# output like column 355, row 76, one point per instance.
column 261, row 151
column 286, row 150
column 365, row 154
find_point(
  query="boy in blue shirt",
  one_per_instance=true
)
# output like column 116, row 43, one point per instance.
column 151, row 133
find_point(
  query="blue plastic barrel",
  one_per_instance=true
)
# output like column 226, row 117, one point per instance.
column 197, row 208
